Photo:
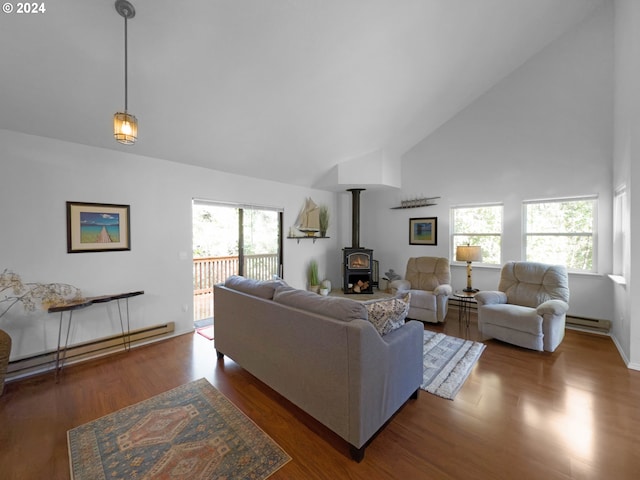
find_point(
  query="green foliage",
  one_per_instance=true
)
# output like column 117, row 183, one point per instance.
column 476, row 220
column 324, row 219
column 557, row 232
column 313, row 273
column 480, row 226
column 215, row 231
column 561, row 233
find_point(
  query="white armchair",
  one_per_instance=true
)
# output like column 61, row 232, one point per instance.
column 427, row 279
column 529, row 308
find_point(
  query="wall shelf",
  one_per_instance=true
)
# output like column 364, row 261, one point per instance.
column 305, row 238
column 416, row 203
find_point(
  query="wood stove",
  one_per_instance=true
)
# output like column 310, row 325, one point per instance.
column 358, row 262
column 358, row 265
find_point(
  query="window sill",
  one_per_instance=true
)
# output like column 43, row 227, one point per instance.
column 476, row 265
column 618, row 279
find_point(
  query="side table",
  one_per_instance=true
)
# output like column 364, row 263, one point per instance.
column 71, row 306
column 464, row 309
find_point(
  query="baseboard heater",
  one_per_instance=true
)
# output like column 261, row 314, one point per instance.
column 578, row 323
column 28, row 366
column 592, row 324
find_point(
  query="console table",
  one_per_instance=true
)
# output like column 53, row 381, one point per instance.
column 87, row 302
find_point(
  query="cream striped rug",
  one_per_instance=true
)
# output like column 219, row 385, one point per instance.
column 447, row 361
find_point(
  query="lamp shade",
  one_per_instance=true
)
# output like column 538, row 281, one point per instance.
column 468, row 253
column 125, row 128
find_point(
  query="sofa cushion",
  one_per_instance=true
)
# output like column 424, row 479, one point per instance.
column 388, row 314
column 257, row 288
column 334, row 307
column 423, row 299
column 515, row 317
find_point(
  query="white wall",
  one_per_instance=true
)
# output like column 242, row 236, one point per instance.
column 545, row 131
column 626, row 329
column 39, row 175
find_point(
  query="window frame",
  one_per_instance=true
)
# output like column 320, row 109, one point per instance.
column 454, row 234
column 621, row 229
column 593, row 234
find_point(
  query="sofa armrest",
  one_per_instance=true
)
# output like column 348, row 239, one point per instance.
column 401, row 285
column 443, row 289
column 383, row 373
column 553, row 307
column 492, row 297
column 405, row 363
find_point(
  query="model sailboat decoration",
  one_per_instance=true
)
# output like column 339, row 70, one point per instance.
column 308, row 221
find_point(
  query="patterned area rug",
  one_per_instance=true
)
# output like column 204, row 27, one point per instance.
column 191, row 432
column 447, row 363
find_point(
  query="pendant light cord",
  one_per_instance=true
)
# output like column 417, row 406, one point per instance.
column 126, row 102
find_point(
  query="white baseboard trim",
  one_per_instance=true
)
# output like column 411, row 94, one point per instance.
column 625, row 359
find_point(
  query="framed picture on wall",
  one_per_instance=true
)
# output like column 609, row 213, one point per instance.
column 423, row 231
column 97, row 227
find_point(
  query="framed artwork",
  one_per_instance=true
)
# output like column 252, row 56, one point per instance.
column 97, row 227
column 423, row 231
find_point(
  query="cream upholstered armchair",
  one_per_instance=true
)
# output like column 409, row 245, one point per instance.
column 427, row 279
column 529, row 309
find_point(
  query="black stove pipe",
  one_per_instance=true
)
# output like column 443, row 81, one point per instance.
column 355, row 216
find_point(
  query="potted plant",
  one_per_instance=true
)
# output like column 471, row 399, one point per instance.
column 314, row 281
column 324, row 220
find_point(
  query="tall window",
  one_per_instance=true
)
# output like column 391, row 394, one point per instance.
column 561, row 232
column 478, row 225
column 620, row 232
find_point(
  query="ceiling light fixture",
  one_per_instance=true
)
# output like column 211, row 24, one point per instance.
column 125, row 125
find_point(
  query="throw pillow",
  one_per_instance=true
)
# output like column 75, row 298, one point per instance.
column 388, row 314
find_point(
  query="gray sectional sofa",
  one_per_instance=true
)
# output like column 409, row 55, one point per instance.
column 321, row 353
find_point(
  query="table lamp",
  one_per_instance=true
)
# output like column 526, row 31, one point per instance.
column 469, row 253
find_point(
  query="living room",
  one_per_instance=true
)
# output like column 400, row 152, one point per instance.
column 549, row 122
column 559, row 125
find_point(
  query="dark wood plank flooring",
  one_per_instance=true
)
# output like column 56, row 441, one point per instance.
column 573, row 414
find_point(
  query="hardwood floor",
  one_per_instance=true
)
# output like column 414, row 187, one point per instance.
column 573, row 414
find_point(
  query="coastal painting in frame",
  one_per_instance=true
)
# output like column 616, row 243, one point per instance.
column 423, row 231
column 97, row 227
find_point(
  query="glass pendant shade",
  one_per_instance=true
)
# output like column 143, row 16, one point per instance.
column 125, row 128
column 125, row 125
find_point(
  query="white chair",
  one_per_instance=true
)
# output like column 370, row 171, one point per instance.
column 427, row 279
column 529, row 308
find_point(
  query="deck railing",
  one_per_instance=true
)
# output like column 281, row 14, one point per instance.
column 211, row 270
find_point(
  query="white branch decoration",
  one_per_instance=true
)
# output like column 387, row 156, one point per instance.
column 13, row 291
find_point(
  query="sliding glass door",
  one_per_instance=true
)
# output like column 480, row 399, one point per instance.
column 232, row 240
column 260, row 239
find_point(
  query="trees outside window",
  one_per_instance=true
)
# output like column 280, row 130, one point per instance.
column 478, row 225
column 561, row 232
column 232, row 240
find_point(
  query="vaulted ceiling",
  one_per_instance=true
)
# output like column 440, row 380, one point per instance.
column 278, row 89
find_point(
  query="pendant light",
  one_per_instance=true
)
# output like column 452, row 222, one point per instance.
column 125, row 125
